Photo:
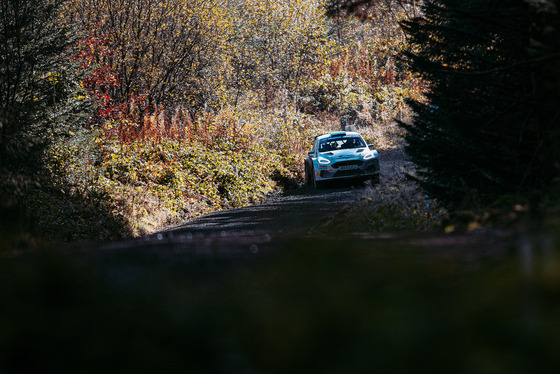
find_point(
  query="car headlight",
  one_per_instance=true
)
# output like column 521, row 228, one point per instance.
column 370, row 155
column 323, row 161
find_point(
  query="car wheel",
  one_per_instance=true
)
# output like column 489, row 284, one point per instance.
column 317, row 184
column 308, row 175
column 375, row 179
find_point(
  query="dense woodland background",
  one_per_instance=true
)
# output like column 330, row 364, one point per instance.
column 120, row 117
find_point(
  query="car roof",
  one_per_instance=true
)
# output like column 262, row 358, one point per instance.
column 338, row 134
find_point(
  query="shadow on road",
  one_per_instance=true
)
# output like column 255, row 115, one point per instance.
column 296, row 212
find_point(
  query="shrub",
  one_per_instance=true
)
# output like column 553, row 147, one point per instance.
column 129, row 179
column 395, row 204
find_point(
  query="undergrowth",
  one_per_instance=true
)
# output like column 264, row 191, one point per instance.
column 395, row 204
column 135, row 176
column 130, row 179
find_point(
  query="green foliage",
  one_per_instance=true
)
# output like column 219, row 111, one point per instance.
column 39, row 92
column 41, row 101
column 169, row 168
column 67, row 204
column 289, row 134
column 101, row 187
column 339, row 93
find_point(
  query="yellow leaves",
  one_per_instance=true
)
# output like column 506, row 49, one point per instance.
column 158, row 47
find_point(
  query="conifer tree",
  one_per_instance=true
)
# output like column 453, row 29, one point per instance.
column 491, row 127
column 39, row 88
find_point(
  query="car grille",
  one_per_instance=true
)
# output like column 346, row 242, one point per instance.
column 350, row 162
column 347, row 173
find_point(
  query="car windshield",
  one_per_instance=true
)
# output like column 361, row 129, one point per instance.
column 347, row 142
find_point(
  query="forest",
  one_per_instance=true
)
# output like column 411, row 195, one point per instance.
column 118, row 118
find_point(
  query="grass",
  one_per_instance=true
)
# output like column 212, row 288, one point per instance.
column 396, row 203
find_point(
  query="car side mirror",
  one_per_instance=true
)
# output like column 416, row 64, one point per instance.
column 310, row 153
column 370, row 146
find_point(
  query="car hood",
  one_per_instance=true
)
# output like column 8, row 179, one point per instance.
column 345, row 153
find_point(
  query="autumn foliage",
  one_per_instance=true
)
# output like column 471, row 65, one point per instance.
column 236, row 88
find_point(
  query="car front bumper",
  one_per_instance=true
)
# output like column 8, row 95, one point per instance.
column 348, row 169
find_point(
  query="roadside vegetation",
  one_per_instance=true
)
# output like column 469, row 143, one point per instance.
column 166, row 176
column 141, row 114
column 395, row 204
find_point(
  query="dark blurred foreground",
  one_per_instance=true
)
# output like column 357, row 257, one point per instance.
column 316, row 306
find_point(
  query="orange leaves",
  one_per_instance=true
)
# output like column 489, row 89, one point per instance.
column 221, row 130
